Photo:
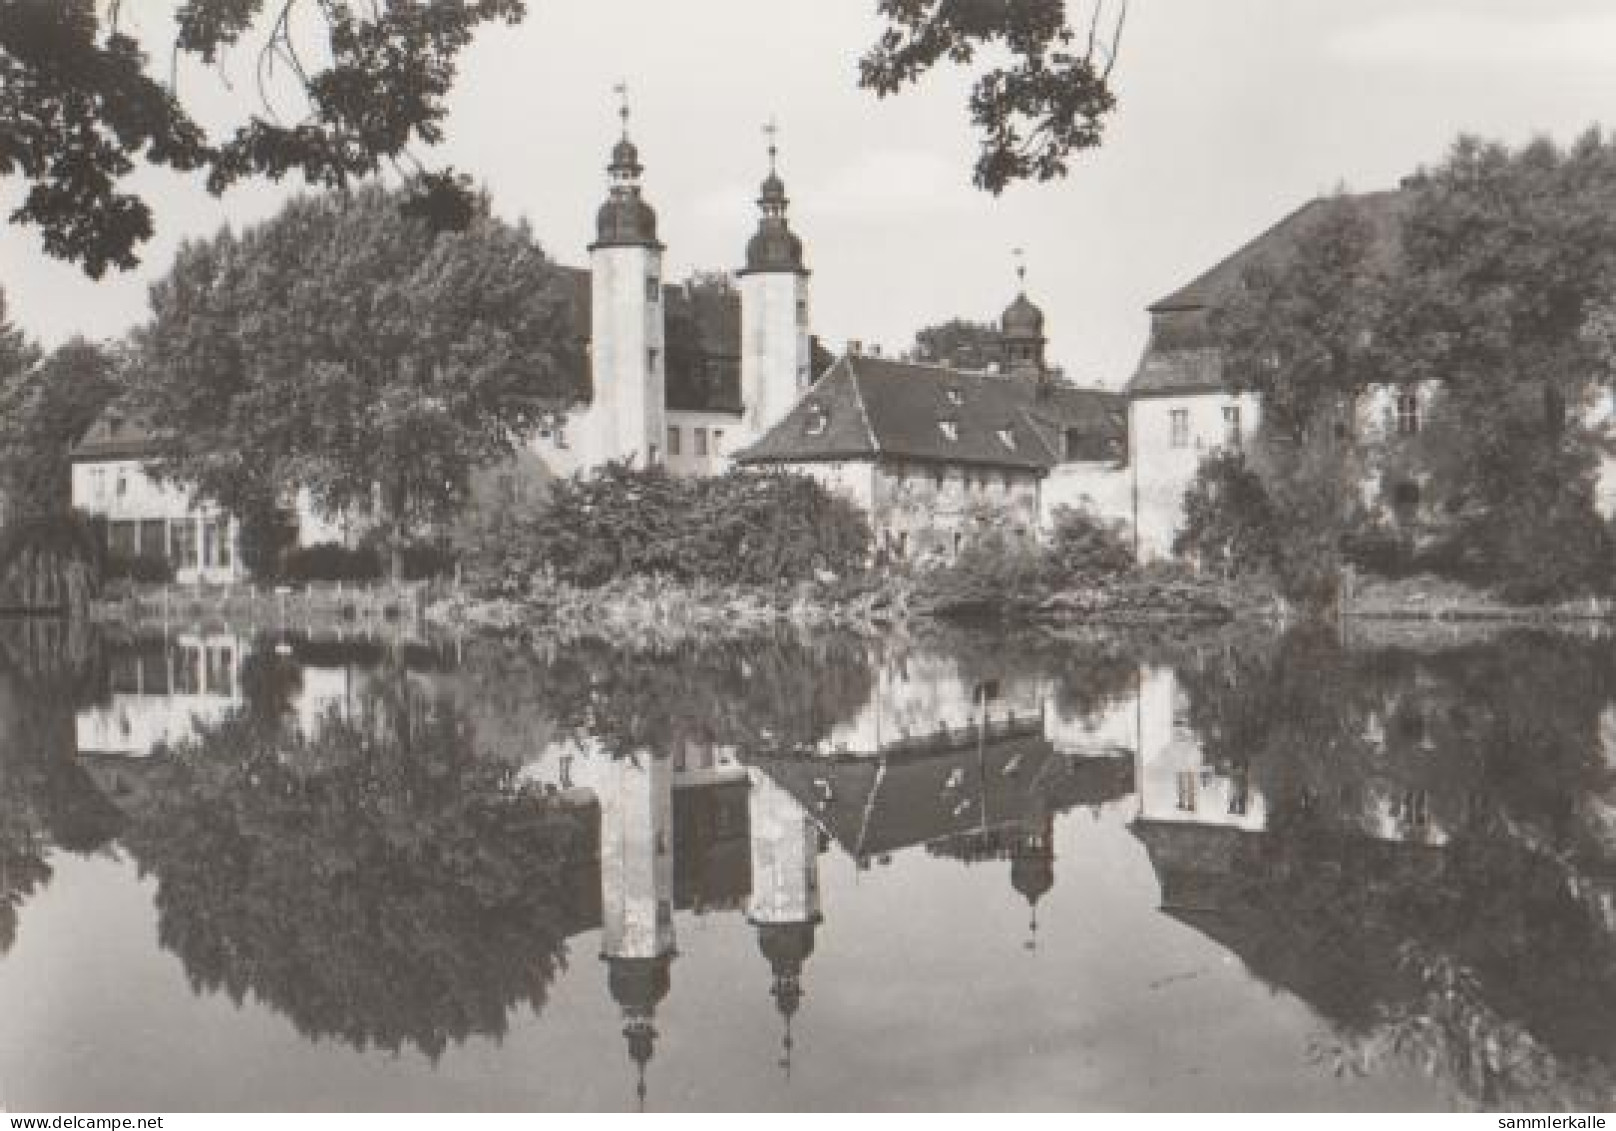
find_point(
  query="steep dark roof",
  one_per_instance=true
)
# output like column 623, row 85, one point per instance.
column 1163, row 371
column 869, row 407
column 1383, row 210
column 959, row 785
column 1182, row 355
column 115, row 435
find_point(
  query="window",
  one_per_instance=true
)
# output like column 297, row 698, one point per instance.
column 949, row 429
column 1231, row 425
column 673, row 440
column 121, row 538
column 123, row 484
column 701, row 441
column 182, row 543
column 802, row 312
column 718, row 441
column 1007, row 438
column 1179, row 418
column 560, row 438
column 153, row 538
column 955, row 397
column 1408, row 413
column 1073, row 444
column 654, row 459
column 652, row 356
column 98, row 484
column 1186, row 791
column 653, row 289
column 815, row 421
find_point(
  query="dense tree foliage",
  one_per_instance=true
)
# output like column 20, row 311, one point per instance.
column 1049, row 101
column 81, row 108
column 1433, row 825
column 44, row 412
column 618, row 522
column 377, row 880
column 1483, row 298
column 960, row 343
column 344, row 348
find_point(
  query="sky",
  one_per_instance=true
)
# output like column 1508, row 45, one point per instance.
column 1230, row 115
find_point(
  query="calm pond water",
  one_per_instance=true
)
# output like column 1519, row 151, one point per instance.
column 967, row 872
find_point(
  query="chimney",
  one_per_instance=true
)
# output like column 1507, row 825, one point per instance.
column 875, row 349
column 855, row 348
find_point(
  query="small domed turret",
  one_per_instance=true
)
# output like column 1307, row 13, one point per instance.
column 625, row 220
column 1022, row 319
column 774, row 247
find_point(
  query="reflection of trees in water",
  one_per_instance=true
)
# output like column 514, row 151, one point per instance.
column 1478, row 960
column 376, row 881
column 46, row 799
column 782, row 693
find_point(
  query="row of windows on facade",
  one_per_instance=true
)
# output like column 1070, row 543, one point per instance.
column 699, row 441
column 184, row 669
column 1407, row 421
column 939, row 475
column 185, row 543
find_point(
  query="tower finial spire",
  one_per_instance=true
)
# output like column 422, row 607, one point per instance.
column 772, row 129
column 621, row 90
column 1020, row 255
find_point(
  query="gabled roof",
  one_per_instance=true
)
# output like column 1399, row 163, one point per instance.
column 1383, row 211
column 924, row 794
column 1182, row 356
column 870, row 407
column 115, row 435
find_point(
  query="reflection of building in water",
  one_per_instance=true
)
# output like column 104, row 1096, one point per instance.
column 785, row 893
column 159, row 692
column 635, row 795
column 986, row 783
column 1383, row 778
column 919, row 697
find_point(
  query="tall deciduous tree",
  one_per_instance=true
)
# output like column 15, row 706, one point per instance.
column 346, row 349
column 960, row 343
column 80, row 109
column 43, row 413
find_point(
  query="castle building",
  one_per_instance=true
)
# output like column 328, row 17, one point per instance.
column 681, row 377
column 1183, row 406
column 937, row 454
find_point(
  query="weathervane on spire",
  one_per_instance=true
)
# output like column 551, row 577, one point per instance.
column 1021, row 266
column 772, row 129
column 621, row 90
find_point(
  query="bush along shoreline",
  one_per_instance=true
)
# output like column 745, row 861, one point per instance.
column 645, row 557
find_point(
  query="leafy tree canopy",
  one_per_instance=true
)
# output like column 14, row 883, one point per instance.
column 44, row 411
column 81, row 108
column 345, row 348
column 960, row 343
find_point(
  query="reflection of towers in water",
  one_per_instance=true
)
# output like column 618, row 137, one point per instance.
column 636, row 884
column 1032, row 868
column 785, row 893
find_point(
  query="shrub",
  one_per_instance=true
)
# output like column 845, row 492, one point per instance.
column 328, row 561
column 740, row 528
column 1084, row 547
column 997, row 571
column 143, row 569
column 1229, row 522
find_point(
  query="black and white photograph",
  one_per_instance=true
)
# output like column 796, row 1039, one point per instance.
column 907, row 556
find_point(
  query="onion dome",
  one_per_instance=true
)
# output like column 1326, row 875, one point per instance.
column 1022, row 319
column 625, row 220
column 774, row 247
column 639, row 984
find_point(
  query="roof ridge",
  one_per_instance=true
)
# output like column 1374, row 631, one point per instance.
column 864, row 409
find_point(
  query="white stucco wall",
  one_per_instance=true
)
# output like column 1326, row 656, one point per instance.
column 121, row 491
column 775, row 349
column 722, row 431
column 1164, row 469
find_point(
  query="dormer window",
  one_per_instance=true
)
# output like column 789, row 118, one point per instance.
column 816, row 421
column 955, row 397
column 1007, row 438
column 949, row 429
